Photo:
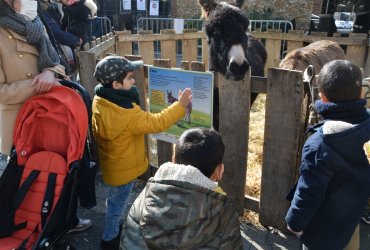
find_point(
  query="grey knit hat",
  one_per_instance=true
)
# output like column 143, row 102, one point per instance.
column 110, row 67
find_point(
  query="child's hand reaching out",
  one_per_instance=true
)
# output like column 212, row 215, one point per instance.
column 185, row 97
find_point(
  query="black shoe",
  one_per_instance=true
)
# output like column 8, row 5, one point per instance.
column 110, row 244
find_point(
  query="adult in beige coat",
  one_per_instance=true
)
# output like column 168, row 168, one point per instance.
column 21, row 75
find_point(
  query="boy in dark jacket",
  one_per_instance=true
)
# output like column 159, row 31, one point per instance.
column 334, row 182
column 182, row 206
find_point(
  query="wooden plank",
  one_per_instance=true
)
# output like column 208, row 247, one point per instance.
column 197, row 66
column 258, row 84
column 273, row 47
column 292, row 45
column 190, row 48
column 146, row 49
column 356, row 54
column 101, row 49
column 252, row 203
column 86, row 67
column 124, row 48
column 309, row 39
column 205, row 52
column 319, row 33
column 164, row 149
column 159, row 37
column 168, row 48
column 367, row 64
column 284, row 109
column 234, row 128
column 185, row 65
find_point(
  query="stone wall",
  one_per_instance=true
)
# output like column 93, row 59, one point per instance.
column 300, row 10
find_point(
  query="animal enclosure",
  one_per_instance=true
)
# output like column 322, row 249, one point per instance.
column 285, row 107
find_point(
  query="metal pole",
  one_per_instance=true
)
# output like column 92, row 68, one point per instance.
column 327, row 7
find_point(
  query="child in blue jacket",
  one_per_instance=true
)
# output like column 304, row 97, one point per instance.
column 334, row 183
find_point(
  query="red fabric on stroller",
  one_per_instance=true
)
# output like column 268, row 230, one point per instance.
column 52, row 122
column 50, row 133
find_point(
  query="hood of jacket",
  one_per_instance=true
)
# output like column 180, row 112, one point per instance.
column 347, row 139
column 181, row 210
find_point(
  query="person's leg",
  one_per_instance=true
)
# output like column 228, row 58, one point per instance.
column 116, row 204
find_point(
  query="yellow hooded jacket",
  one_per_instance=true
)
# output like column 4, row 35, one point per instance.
column 120, row 132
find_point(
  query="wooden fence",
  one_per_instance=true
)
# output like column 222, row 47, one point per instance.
column 285, row 108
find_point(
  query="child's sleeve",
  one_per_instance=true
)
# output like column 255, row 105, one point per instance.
column 232, row 238
column 148, row 123
column 313, row 182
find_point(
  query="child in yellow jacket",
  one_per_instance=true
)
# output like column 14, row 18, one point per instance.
column 119, row 126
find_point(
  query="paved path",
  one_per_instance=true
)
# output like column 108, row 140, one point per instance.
column 254, row 237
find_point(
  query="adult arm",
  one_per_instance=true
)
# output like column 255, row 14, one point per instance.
column 313, row 182
column 61, row 36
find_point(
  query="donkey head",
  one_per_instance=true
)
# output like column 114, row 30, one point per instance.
column 226, row 28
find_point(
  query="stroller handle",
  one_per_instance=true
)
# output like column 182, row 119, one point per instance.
column 84, row 94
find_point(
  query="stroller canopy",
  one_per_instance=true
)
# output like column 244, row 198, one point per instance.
column 56, row 121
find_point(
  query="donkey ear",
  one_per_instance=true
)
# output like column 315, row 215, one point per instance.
column 207, row 5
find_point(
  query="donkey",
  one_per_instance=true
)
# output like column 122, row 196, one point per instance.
column 171, row 99
column 316, row 54
column 232, row 51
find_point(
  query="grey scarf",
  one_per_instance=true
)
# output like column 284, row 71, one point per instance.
column 35, row 34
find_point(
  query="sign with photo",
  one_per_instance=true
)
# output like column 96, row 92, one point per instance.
column 141, row 4
column 126, row 4
column 164, row 85
column 154, row 8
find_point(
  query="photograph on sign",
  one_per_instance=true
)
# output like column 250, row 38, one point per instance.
column 164, row 85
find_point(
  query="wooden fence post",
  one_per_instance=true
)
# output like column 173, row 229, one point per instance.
column 142, row 86
column 283, row 131
column 185, row 65
column 273, row 47
column 86, row 67
column 205, row 51
column 292, row 45
column 124, row 48
column 234, row 127
column 168, row 48
column 189, row 47
column 164, row 149
column 356, row 54
column 146, row 49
